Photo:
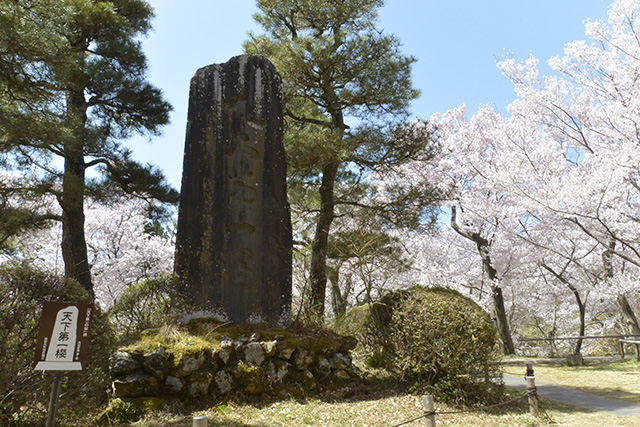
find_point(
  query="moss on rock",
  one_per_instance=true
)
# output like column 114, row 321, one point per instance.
column 252, row 378
column 206, row 358
column 178, row 343
column 124, row 411
column 199, row 384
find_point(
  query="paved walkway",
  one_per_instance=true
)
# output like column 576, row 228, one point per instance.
column 576, row 397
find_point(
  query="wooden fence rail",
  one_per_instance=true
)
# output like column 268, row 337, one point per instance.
column 583, row 337
column 622, row 340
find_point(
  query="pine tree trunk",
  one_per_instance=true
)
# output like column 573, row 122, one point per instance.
column 338, row 300
column 74, row 246
column 318, row 274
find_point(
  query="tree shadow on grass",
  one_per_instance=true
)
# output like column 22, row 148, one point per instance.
column 369, row 387
column 544, row 404
column 611, row 393
column 549, row 405
column 234, row 424
column 158, row 420
column 187, row 422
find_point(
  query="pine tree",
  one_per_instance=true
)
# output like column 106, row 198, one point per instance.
column 337, row 67
column 72, row 87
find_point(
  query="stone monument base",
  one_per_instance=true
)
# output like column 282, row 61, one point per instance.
column 208, row 361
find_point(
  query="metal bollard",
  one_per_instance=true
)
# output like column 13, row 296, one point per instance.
column 200, row 421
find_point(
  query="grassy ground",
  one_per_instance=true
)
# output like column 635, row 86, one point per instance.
column 361, row 411
column 389, row 411
column 386, row 403
column 568, row 416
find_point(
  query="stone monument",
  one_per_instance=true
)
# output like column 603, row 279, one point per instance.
column 233, row 243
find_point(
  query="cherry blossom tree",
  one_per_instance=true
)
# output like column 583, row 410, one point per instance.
column 121, row 251
column 589, row 112
column 495, row 170
column 542, row 201
column 478, row 206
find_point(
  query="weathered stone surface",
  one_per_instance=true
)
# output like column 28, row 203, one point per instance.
column 236, row 369
column 199, row 384
column 306, row 380
column 239, row 343
column 302, row 359
column 323, row 367
column 341, row 374
column 173, row 384
column 226, row 351
column 137, row 355
column 285, row 351
column 224, row 381
column 190, row 364
column 237, row 365
column 136, row 385
column 155, row 363
column 233, row 243
column 277, row 370
column 269, row 347
column 123, row 363
column 254, row 354
column 341, row 361
column 348, row 343
column 253, row 379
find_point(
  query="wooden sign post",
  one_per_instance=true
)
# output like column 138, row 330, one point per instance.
column 63, row 343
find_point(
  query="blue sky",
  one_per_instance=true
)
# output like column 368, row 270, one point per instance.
column 456, row 42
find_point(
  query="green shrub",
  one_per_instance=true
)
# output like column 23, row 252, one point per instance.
column 24, row 393
column 125, row 411
column 358, row 323
column 148, row 304
column 443, row 340
column 438, row 340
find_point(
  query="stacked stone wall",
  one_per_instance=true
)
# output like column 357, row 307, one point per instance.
column 242, row 365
